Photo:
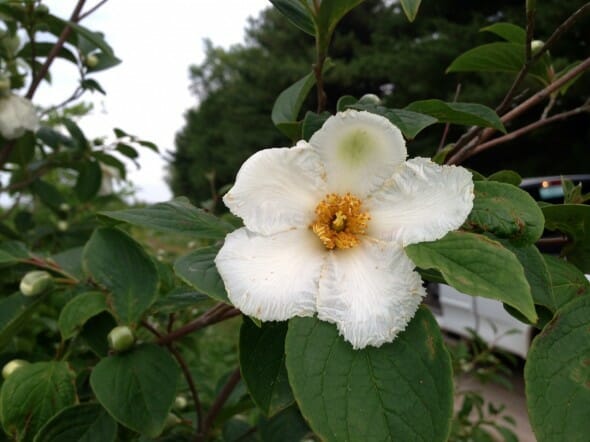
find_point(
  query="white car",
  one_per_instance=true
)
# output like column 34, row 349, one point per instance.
column 457, row 312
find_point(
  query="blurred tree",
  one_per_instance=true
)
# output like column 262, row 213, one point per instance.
column 374, row 50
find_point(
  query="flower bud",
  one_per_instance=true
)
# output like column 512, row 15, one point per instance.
column 12, row 366
column 180, row 403
column 91, row 60
column 121, row 338
column 171, row 421
column 42, row 10
column 62, row 225
column 64, row 207
column 536, row 45
column 370, row 99
column 36, row 282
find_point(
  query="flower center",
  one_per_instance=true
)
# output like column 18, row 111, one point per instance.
column 340, row 221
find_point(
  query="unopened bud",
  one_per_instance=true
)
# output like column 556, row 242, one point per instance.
column 536, row 45
column 36, row 282
column 62, row 225
column 180, row 403
column 91, row 60
column 64, row 207
column 370, row 99
column 42, row 10
column 121, row 338
column 10, row 367
column 171, row 421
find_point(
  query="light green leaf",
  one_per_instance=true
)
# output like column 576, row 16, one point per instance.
column 89, row 180
column 507, row 31
column 477, row 266
column 33, row 394
column 119, row 264
column 262, row 362
column 410, row 8
column 79, row 310
column 491, row 57
column 506, row 176
column 507, row 212
column 399, row 391
column 297, row 13
column 574, row 221
column 567, row 282
column 176, row 216
column 330, row 13
column 138, row 387
column 198, row 270
column 557, row 375
column 288, row 104
column 15, row 312
column 80, row 423
column 466, row 114
column 410, row 123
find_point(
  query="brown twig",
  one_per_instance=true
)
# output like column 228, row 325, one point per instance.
column 220, row 400
column 443, row 139
column 91, row 10
column 187, row 376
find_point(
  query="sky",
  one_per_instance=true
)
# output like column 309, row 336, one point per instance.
column 148, row 93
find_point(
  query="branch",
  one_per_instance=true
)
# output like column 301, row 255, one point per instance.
column 91, row 10
column 443, row 139
column 224, row 394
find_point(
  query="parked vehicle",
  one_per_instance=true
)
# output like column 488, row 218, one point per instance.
column 457, row 312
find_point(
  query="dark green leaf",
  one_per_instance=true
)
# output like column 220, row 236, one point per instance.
column 287, row 105
column 567, row 282
column 70, row 261
column 478, row 266
column 12, row 252
column 330, row 13
column 399, row 391
column 110, row 160
column 24, row 150
column 48, row 194
column 176, row 216
column 410, row 123
column 286, row 426
column 574, row 221
column 127, row 150
column 92, row 85
column 506, row 176
column 410, row 8
column 138, row 387
column 43, row 49
column 199, row 271
column 491, row 57
column 95, row 333
column 262, row 362
column 148, row 144
column 15, row 312
column 95, row 39
column 297, row 13
column 313, row 122
column 178, row 299
column 76, row 134
column 344, row 102
column 121, row 265
column 80, row 423
column 466, row 114
column 557, row 374
column 89, row 180
column 105, row 61
column 507, row 212
column 34, row 394
column 508, row 31
column 79, row 310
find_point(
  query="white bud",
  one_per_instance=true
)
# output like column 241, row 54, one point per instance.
column 536, row 45
column 62, row 225
column 12, row 366
column 64, row 207
column 121, row 338
column 370, row 99
column 36, row 282
column 180, row 402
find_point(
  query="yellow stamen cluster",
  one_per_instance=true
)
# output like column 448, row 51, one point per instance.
column 340, row 221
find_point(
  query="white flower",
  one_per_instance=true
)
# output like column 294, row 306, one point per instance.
column 326, row 223
column 17, row 115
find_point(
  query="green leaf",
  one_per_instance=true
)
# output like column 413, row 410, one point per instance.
column 12, row 252
column 127, row 150
column 24, row 150
column 79, row 310
column 71, row 261
column 48, row 194
column 507, row 31
column 574, row 221
column 399, row 391
column 286, row 426
column 112, row 161
column 15, row 312
column 34, row 394
column 466, row 114
column 557, row 374
column 567, row 282
column 198, row 270
column 119, row 264
column 312, row 122
column 410, row 8
column 95, row 332
column 287, row 105
column 262, row 362
column 176, row 216
column 507, row 212
column 478, row 266
column 410, row 123
column 491, row 57
column 506, row 176
column 345, row 102
column 328, row 16
column 105, row 61
column 138, row 387
column 179, row 298
column 77, row 135
column 92, row 85
column 80, row 423
column 43, row 49
column 297, row 13
column 96, row 39
column 89, row 180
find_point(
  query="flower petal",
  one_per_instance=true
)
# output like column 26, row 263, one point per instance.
column 360, row 151
column 272, row 278
column 422, row 202
column 17, row 115
column 371, row 292
column 278, row 189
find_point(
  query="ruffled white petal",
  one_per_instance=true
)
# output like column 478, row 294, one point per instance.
column 278, row 189
column 272, row 278
column 371, row 292
column 422, row 202
column 359, row 150
column 17, row 115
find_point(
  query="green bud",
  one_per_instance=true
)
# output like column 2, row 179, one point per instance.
column 62, row 225
column 180, row 402
column 536, row 45
column 64, row 207
column 12, row 366
column 36, row 282
column 531, row 5
column 370, row 99
column 91, row 60
column 121, row 338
